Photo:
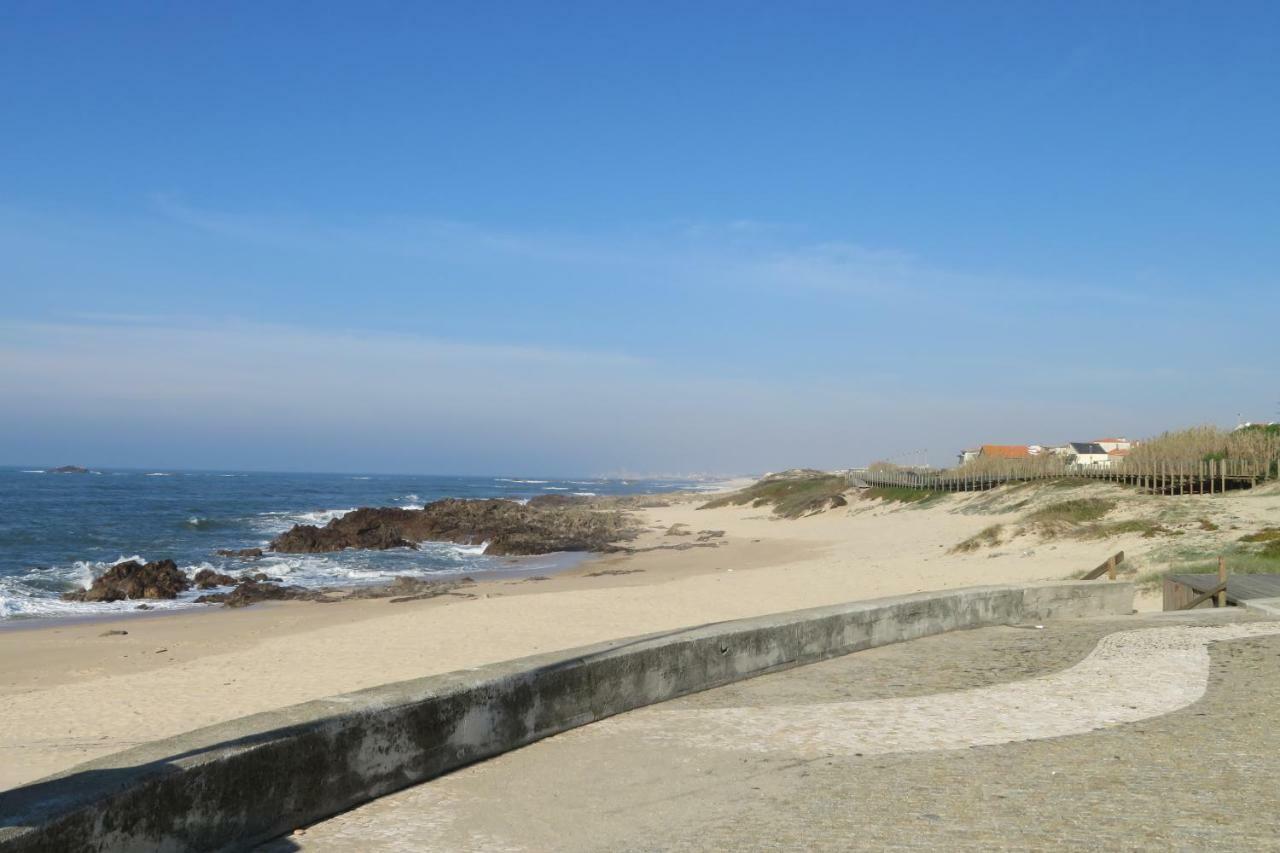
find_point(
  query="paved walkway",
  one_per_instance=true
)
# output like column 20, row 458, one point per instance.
column 1138, row 733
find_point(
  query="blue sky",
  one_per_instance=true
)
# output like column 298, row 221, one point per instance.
column 581, row 238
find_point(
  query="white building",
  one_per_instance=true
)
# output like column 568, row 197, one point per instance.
column 1089, row 454
column 1110, row 444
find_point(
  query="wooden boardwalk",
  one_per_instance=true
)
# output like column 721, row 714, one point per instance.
column 1206, row 477
column 1240, row 588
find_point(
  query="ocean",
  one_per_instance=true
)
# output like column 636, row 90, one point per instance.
column 58, row 531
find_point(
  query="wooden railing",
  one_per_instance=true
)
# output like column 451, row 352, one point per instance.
column 1206, row 477
column 1218, row 593
column 1108, row 568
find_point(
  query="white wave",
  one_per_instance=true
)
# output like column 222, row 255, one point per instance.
column 35, row 471
column 158, row 474
column 411, row 506
column 20, row 603
column 84, row 571
column 475, row 550
column 585, row 494
column 278, row 521
column 322, row 517
column 362, row 478
column 555, row 488
column 509, row 480
column 412, row 496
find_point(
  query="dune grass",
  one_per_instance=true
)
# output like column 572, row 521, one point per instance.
column 987, row 537
column 901, row 494
column 1148, row 528
column 790, row 497
column 1080, row 511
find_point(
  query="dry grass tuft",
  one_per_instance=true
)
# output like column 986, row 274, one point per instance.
column 986, row 538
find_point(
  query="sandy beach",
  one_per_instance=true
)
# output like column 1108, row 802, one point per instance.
column 72, row 691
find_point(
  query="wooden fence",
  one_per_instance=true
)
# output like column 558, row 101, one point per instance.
column 1207, row 477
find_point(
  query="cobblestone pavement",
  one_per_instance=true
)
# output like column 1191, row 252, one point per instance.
column 1115, row 734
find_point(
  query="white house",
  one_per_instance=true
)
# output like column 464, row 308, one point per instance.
column 1089, row 453
column 1110, row 444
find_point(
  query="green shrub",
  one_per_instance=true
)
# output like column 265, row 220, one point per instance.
column 791, row 497
column 1077, row 511
column 900, row 494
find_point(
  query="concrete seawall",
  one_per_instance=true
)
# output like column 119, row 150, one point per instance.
column 233, row 784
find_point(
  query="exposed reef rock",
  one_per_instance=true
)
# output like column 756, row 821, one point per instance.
column 208, row 579
column 131, row 579
column 68, row 469
column 405, row 588
column 247, row 553
column 251, row 592
column 509, row 528
column 543, row 501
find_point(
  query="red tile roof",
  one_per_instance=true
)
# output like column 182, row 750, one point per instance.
column 1006, row 451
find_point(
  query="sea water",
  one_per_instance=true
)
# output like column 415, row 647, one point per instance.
column 58, row 531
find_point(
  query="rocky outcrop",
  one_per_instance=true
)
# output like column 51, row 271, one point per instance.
column 68, row 469
column 508, row 527
column 251, row 592
column 544, row 501
column 131, row 579
column 208, row 579
column 376, row 529
column 246, row 553
column 405, row 588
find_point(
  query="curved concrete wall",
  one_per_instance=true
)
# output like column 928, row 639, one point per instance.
column 237, row 783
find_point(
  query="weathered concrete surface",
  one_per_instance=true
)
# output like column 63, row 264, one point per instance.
column 229, row 785
column 1141, row 733
column 1266, row 606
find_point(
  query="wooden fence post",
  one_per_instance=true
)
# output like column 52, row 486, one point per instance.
column 1222, row 579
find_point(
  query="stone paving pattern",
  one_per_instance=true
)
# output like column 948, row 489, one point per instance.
column 1207, row 775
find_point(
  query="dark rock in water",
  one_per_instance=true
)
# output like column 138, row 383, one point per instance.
column 510, row 528
column 132, row 579
column 208, row 579
column 377, row 529
column 249, row 592
column 247, row 553
column 69, row 469
column 257, row 576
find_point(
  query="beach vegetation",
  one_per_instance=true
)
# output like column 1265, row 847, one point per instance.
column 901, row 494
column 1206, row 443
column 987, row 537
column 1148, row 528
column 790, row 496
column 1071, row 512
